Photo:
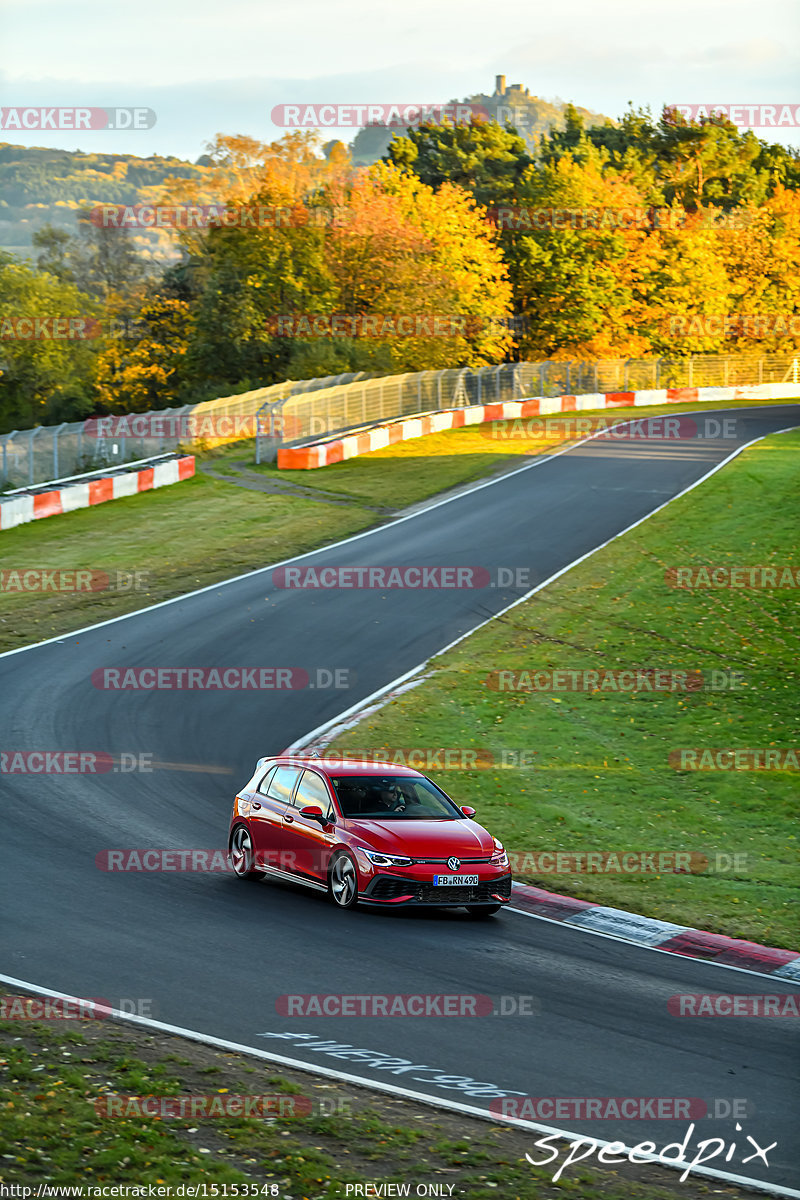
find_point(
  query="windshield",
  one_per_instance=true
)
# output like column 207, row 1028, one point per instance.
column 392, row 797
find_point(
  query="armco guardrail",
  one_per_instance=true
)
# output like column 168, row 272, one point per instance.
column 296, row 410
column 34, row 506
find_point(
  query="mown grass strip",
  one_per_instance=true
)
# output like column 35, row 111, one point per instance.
column 601, row 779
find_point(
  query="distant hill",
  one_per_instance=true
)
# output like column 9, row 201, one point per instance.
column 40, row 186
column 507, row 104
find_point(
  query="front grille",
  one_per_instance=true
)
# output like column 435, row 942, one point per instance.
column 391, row 887
column 483, row 893
column 443, row 861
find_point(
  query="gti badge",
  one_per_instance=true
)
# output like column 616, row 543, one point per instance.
column 454, row 864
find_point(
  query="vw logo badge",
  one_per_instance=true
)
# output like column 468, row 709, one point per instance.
column 454, row 864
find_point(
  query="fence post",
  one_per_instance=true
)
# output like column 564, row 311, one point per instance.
column 727, row 371
column 658, row 373
column 569, row 378
column 31, row 436
column 56, row 435
column 691, row 371
column 761, row 370
column 6, row 440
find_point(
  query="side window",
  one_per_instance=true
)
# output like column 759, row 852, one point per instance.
column 262, row 787
column 281, row 784
column 312, row 790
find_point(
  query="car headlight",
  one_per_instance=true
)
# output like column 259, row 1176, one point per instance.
column 499, row 856
column 388, row 860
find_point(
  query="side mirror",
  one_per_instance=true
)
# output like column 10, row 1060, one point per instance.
column 467, row 811
column 313, row 812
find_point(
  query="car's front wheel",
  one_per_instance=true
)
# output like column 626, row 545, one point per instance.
column 479, row 913
column 343, row 881
column 242, row 855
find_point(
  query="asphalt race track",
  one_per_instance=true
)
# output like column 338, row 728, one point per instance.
column 213, row 954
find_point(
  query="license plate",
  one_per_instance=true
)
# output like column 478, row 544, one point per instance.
column 455, row 880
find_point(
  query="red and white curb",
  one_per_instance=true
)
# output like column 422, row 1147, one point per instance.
column 658, row 935
column 324, row 453
column 18, row 510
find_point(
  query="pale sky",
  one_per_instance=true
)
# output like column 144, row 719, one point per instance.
column 206, row 67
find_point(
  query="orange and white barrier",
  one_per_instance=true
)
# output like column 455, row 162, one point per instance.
column 18, row 510
column 324, row 453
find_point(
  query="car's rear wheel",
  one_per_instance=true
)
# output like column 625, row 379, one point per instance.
column 479, row 913
column 343, row 882
column 242, row 855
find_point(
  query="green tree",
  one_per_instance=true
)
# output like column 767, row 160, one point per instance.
column 45, row 379
column 483, row 158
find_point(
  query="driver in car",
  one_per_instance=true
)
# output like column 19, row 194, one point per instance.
column 394, row 797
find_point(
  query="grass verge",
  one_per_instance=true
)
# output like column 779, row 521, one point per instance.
column 177, row 538
column 51, row 1075
column 411, row 471
column 602, row 779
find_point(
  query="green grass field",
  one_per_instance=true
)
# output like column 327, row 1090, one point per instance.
column 602, row 779
column 179, row 538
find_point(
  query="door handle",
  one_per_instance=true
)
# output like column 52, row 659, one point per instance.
column 255, row 804
column 288, row 819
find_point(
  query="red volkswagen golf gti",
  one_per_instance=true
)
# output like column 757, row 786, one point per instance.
column 365, row 833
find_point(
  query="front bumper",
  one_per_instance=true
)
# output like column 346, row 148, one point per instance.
column 397, row 891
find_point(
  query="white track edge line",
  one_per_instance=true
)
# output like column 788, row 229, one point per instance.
column 406, row 1093
column 540, row 460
